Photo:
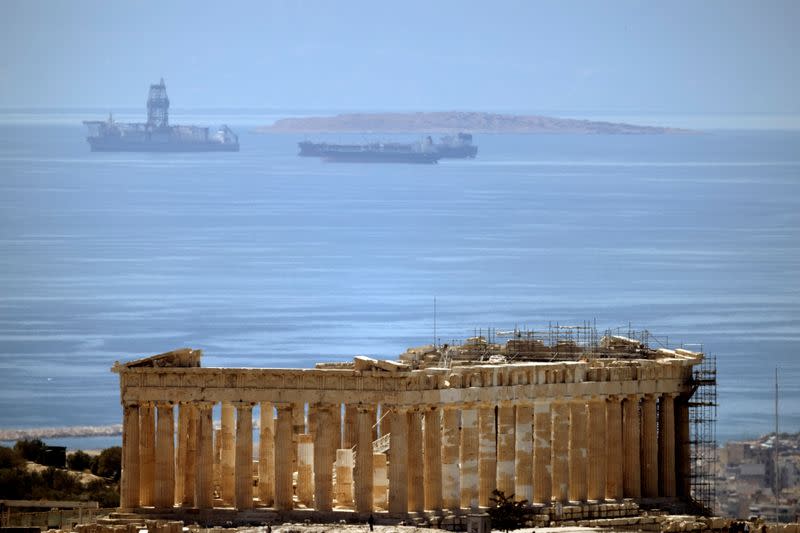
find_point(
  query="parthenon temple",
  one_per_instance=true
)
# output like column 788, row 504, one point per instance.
column 436, row 431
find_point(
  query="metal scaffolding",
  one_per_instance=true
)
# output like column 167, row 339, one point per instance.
column 703, row 422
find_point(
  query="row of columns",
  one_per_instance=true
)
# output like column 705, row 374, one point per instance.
column 446, row 457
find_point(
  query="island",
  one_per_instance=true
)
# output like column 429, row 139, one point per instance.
column 454, row 121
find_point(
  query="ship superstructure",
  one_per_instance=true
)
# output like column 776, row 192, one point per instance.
column 156, row 135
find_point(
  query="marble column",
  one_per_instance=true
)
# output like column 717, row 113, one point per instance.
column 398, row 462
column 487, row 455
column 578, row 452
column 416, row 479
column 165, row 456
column 596, row 487
column 344, row 477
column 523, row 452
column 451, row 485
column 666, row 445
column 244, row 456
column 350, row 438
column 542, row 452
column 683, row 448
column 228, row 454
column 266, row 455
column 380, row 481
column 203, row 481
column 560, row 443
column 129, row 483
column 147, row 454
column 433, row 458
column 505, row 450
column 190, row 463
column 324, row 452
column 180, row 452
column 305, row 469
column 283, row 451
column 363, row 466
column 631, row 444
column 614, row 449
column 649, row 447
column 337, row 427
column 469, row 458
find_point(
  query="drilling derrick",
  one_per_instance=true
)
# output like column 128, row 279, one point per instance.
column 158, row 106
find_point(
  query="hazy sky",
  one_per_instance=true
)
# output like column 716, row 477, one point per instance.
column 683, row 57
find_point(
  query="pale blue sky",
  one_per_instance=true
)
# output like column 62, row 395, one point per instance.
column 676, row 57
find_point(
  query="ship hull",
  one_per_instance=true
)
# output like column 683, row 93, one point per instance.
column 417, row 159
column 99, row 144
column 370, row 153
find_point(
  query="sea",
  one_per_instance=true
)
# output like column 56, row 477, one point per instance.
column 265, row 259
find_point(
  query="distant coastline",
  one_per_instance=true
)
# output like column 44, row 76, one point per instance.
column 454, row 121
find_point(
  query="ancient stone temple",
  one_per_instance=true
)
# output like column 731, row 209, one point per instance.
column 435, row 431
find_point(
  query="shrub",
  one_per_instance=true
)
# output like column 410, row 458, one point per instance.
column 79, row 461
column 506, row 513
column 9, row 458
column 30, row 449
column 108, row 463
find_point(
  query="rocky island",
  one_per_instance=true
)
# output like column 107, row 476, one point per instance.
column 453, row 121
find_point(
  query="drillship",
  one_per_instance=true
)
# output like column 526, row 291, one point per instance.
column 156, row 135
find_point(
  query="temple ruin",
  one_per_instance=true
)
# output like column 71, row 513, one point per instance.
column 555, row 421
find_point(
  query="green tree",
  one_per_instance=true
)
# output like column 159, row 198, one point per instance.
column 9, row 458
column 30, row 449
column 109, row 463
column 79, row 460
column 507, row 514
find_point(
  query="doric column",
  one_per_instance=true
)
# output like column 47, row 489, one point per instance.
column 350, row 426
column 305, row 469
column 596, row 487
column 324, row 453
column 469, row 458
column 523, row 452
column 578, row 452
column 244, row 456
column 614, row 450
column 363, row 466
column 228, row 454
column 190, row 461
column 129, row 483
column 203, row 481
column 560, row 442
column 433, row 458
column 147, row 454
column 451, row 485
column 666, row 445
column 165, row 456
column 683, row 450
column 542, row 452
column 505, row 450
column 380, row 481
column 283, row 450
column 266, row 455
column 337, row 428
column 649, row 447
column 344, row 477
column 398, row 464
column 416, row 479
column 631, row 444
column 180, row 452
column 487, row 455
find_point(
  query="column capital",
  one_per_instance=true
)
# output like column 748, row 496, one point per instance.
column 283, row 406
column 203, row 405
column 130, row 403
column 651, row 396
column 243, row 405
column 165, row 404
column 618, row 398
column 634, row 397
column 671, row 395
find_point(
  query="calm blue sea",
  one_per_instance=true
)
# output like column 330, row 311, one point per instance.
column 262, row 258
